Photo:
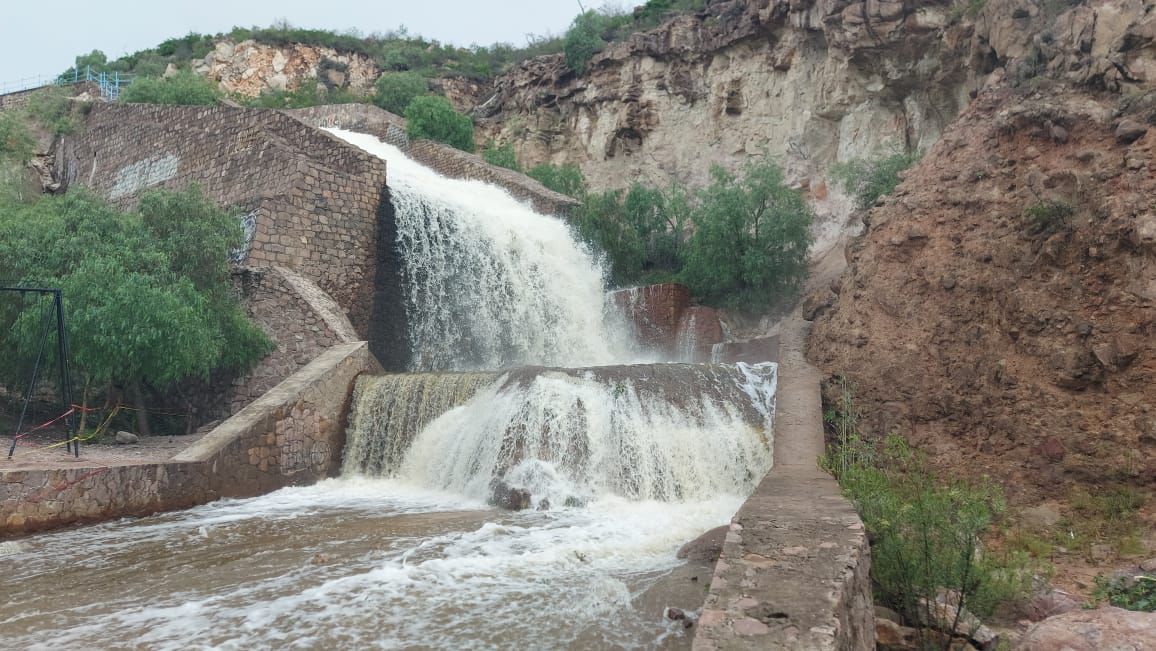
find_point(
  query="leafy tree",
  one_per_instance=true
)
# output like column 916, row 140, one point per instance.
column 147, row 293
column 501, row 156
column 395, row 90
column 642, row 231
column 566, row 179
column 432, row 117
column 750, row 242
column 583, row 40
column 184, row 88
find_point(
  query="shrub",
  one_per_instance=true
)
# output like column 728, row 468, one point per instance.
column 1047, row 217
column 16, row 140
column 582, row 41
column 1127, row 592
column 184, row 88
column 501, row 156
column 642, row 231
column 750, row 240
column 866, row 180
column 925, row 532
column 395, row 90
column 52, row 108
column 433, row 117
column 566, row 179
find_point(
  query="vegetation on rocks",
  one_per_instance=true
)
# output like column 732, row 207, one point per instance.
column 148, row 293
column 566, row 179
column 432, row 117
column 1127, row 592
column 303, row 97
column 926, row 531
column 184, row 88
column 868, row 179
column 395, row 90
column 502, row 156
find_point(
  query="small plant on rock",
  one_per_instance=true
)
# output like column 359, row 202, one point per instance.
column 868, row 179
column 1127, row 592
column 1047, row 217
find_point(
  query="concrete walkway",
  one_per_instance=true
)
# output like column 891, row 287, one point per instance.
column 793, row 573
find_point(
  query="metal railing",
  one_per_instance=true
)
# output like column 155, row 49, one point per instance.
column 110, row 83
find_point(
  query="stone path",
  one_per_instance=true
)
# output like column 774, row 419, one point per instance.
column 37, row 456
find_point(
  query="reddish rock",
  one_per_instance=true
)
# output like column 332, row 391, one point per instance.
column 752, row 351
column 1052, row 449
column 655, row 311
column 706, row 547
column 698, row 331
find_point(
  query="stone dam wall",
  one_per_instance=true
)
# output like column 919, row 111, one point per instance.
column 446, row 160
column 311, row 201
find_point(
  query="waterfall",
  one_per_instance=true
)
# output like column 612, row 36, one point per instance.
column 389, row 410
column 490, row 283
column 670, row 432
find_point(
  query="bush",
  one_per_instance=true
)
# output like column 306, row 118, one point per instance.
column 395, row 90
column 1047, row 217
column 925, row 532
column 1127, row 592
column 642, row 231
column 16, row 140
column 432, row 117
column 750, row 240
column 566, row 179
column 184, row 88
column 501, row 156
column 866, row 180
column 583, row 41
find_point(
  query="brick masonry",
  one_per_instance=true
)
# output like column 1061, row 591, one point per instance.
column 454, row 163
column 315, row 199
column 292, row 435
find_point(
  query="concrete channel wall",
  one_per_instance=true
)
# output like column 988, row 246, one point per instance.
column 793, row 573
column 292, row 435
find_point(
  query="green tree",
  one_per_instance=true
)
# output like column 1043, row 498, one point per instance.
column 566, row 179
column 184, row 88
column 749, row 246
column 147, row 292
column 501, row 156
column 432, row 117
column 395, row 90
column 583, row 40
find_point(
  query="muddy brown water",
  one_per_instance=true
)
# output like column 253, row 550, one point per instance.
column 359, row 563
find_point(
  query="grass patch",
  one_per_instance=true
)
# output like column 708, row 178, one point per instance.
column 1047, row 217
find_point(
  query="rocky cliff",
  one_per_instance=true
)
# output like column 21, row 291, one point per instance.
column 999, row 310
column 808, row 81
column 250, row 68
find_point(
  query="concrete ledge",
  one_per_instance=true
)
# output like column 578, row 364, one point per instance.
column 292, row 435
column 793, row 573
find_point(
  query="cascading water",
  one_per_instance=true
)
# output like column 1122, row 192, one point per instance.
column 623, row 464
column 490, row 283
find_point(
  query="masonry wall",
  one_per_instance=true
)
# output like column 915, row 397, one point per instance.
column 448, row 161
column 292, row 435
column 314, row 199
column 19, row 100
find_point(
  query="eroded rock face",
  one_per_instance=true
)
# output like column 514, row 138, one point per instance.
column 1092, row 630
column 1035, row 365
column 250, row 68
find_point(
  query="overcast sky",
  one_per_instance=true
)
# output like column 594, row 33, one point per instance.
column 42, row 38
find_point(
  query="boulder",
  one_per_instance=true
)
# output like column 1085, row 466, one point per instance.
column 127, row 438
column 890, row 636
column 705, row 548
column 505, row 496
column 1129, row 131
column 1092, row 630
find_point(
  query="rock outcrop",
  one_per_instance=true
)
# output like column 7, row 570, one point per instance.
column 250, row 68
column 810, row 82
column 999, row 311
column 1092, row 630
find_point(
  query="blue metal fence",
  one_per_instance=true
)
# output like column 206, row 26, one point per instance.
column 110, row 83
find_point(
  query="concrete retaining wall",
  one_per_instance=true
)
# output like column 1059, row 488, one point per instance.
column 292, row 435
column 448, row 161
